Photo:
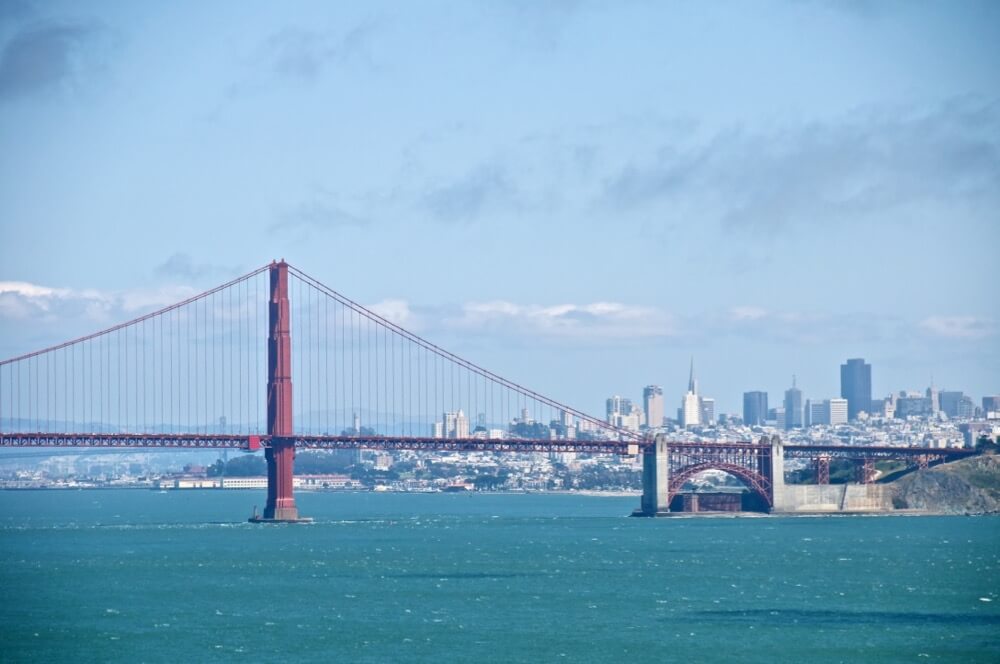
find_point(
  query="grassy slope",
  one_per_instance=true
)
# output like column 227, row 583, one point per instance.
column 966, row 486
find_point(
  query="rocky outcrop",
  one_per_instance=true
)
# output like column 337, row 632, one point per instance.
column 969, row 486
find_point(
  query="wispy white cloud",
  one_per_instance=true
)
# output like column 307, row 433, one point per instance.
column 747, row 312
column 21, row 300
column 608, row 320
column 25, row 301
column 319, row 213
column 958, row 327
column 183, row 267
column 26, row 289
column 396, row 311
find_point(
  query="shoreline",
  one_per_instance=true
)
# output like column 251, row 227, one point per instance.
column 611, row 493
column 589, row 493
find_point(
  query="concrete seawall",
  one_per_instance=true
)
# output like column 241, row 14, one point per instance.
column 835, row 498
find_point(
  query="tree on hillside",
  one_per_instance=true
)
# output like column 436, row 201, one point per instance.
column 250, row 465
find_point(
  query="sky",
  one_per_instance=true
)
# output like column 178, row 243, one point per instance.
column 580, row 196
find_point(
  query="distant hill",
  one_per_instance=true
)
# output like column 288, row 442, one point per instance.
column 969, row 486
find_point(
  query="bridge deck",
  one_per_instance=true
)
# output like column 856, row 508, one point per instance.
column 389, row 443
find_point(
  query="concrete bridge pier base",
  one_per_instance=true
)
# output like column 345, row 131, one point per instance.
column 655, row 480
column 779, row 496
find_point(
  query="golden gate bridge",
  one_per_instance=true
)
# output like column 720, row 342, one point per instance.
column 215, row 371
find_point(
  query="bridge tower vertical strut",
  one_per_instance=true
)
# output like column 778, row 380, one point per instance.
column 280, row 455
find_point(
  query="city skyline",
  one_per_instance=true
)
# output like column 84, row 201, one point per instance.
column 697, row 206
column 834, row 409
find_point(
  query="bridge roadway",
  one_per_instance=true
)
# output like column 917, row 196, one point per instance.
column 250, row 442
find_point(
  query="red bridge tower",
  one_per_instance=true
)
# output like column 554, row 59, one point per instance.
column 280, row 455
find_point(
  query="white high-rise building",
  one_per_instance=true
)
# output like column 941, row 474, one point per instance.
column 837, row 410
column 828, row 411
column 652, row 406
column 690, row 410
column 630, row 421
column 455, row 425
column 707, row 408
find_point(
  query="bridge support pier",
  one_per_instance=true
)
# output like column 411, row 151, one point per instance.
column 280, row 504
column 655, row 479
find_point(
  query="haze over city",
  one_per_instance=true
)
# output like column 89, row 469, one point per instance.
column 580, row 196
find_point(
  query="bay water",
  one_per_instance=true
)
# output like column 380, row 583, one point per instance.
column 134, row 575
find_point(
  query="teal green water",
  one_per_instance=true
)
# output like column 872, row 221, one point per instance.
column 145, row 576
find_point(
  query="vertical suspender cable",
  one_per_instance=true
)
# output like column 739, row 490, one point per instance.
column 193, row 350
column 239, row 353
column 326, row 364
column 214, row 418
column 120, row 382
column 231, row 409
column 307, row 358
column 256, row 343
column 65, row 353
column 251, row 418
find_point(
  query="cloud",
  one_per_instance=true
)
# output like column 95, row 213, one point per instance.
column 958, row 327
column 44, row 56
column 181, row 265
column 747, row 313
column 485, row 189
column 21, row 300
column 36, row 304
column 539, row 25
column 25, row 289
column 317, row 214
column 871, row 166
column 395, row 311
column 305, row 54
column 598, row 320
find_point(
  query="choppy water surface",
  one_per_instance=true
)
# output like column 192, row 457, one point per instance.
column 145, row 576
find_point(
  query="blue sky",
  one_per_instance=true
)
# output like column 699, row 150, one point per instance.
column 580, row 196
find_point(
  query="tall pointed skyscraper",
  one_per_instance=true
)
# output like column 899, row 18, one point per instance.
column 690, row 410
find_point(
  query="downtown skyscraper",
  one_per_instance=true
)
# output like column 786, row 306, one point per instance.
column 652, row 405
column 856, row 386
column 793, row 407
column 754, row 408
